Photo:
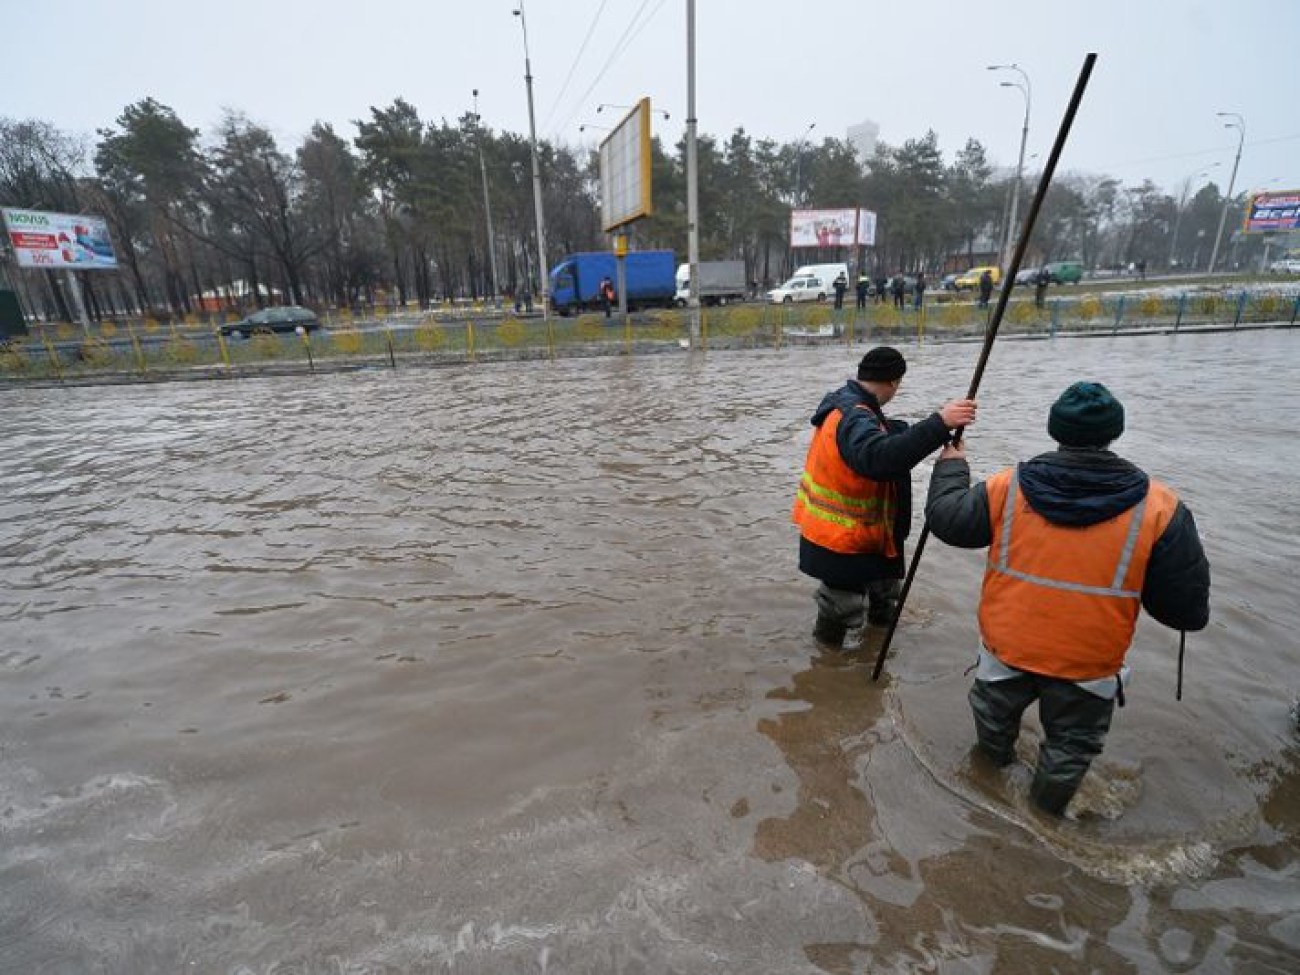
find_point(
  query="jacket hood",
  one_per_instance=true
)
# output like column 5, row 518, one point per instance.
column 844, row 399
column 1081, row 487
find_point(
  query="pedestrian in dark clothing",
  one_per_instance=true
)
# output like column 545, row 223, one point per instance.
column 898, row 288
column 1041, row 281
column 607, row 295
column 1079, row 542
column 841, row 285
column 882, row 284
column 918, row 291
column 986, row 288
column 864, row 285
column 854, row 504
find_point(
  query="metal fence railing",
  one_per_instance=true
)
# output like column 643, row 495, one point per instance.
column 193, row 347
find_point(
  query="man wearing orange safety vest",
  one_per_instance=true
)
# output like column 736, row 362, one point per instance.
column 854, row 504
column 1079, row 541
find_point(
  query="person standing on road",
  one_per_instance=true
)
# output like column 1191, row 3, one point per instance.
column 918, row 293
column 841, row 285
column 882, row 284
column 1079, row 542
column 864, row 285
column 898, row 288
column 854, row 503
column 986, row 288
column 607, row 295
column 1041, row 280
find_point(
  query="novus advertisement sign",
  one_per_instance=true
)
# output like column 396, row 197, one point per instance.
column 55, row 240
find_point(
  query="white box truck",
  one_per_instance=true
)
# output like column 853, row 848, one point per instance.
column 720, row 282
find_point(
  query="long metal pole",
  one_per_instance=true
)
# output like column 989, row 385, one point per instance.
column 1232, row 182
column 543, row 280
column 692, row 179
column 487, row 207
column 1004, row 255
column 992, row 332
column 1015, row 190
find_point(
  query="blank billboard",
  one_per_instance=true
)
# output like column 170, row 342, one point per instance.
column 625, row 169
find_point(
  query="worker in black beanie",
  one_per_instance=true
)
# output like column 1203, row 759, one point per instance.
column 854, row 503
column 1079, row 541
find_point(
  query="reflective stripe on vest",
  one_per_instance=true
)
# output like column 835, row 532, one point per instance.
column 1116, row 587
column 838, row 508
column 1063, row 601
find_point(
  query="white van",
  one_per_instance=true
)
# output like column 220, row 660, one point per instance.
column 812, row 282
column 827, row 272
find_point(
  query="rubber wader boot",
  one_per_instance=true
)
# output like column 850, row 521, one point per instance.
column 1052, row 796
column 829, row 631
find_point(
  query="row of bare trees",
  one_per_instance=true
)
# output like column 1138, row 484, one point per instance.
column 396, row 213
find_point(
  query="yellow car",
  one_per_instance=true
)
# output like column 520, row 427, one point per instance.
column 971, row 279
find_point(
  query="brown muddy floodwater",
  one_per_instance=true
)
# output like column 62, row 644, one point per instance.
column 508, row 668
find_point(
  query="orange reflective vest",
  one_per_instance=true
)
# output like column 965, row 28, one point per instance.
column 839, row 509
column 1063, row 601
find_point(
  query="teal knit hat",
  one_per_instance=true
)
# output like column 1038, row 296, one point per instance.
column 1086, row 415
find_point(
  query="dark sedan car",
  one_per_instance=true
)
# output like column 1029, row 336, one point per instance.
column 288, row 318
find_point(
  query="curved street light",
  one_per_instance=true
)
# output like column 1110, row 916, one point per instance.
column 1239, row 124
column 1026, row 89
column 487, row 206
column 1182, row 203
column 542, row 279
column 628, row 108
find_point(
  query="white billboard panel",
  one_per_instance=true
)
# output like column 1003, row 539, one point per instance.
column 832, row 228
column 625, row 169
column 54, row 240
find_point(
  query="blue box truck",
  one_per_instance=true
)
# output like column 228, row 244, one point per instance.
column 651, row 279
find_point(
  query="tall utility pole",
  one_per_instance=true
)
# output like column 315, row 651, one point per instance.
column 1239, row 124
column 543, row 281
column 692, row 179
column 487, row 206
column 1009, row 233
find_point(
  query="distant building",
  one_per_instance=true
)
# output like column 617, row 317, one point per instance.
column 863, row 137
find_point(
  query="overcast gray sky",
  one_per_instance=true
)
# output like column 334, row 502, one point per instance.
column 1164, row 70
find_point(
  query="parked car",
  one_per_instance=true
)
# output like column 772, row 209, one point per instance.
column 287, row 318
column 801, row 288
column 1065, row 272
column 948, row 282
column 1027, row 275
column 1285, row 265
column 971, row 279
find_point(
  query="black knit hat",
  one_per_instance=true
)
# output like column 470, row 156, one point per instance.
column 1086, row 415
column 882, row 364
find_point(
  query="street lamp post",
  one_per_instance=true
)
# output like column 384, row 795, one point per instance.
column 798, row 159
column 1182, row 203
column 487, row 207
column 1026, row 89
column 692, row 181
column 1239, row 124
column 537, row 175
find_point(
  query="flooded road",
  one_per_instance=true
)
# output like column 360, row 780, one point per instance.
column 508, row 668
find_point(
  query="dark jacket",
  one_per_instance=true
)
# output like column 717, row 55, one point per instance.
column 1083, row 487
column 882, row 456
